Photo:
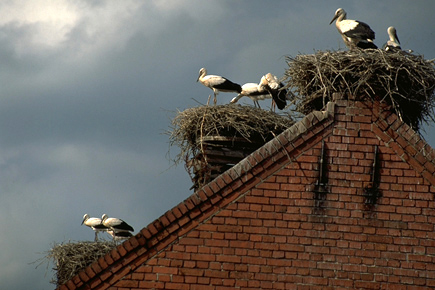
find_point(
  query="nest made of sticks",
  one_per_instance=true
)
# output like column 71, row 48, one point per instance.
column 71, row 258
column 403, row 80
column 250, row 123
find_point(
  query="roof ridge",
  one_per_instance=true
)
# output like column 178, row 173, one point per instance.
column 202, row 204
column 405, row 141
column 238, row 181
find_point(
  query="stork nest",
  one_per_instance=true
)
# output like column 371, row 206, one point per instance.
column 404, row 81
column 250, row 123
column 71, row 258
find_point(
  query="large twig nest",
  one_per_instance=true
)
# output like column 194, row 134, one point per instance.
column 403, row 80
column 71, row 258
column 250, row 123
column 212, row 139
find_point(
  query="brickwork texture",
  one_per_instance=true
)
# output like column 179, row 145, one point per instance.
column 267, row 224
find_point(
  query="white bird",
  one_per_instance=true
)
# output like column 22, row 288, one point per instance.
column 94, row 223
column 270, row 83
column 354, row 33
column 393, row 42
column 217, row 83
column 254, row 91
column 115, row 224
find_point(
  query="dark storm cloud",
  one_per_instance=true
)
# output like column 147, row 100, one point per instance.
column 81, row 120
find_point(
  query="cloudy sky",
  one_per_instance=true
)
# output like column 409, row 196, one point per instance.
column 88, row 88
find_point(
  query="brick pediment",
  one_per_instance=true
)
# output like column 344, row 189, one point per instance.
column 296, row 212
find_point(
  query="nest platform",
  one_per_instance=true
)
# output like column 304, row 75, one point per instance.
column 403, row 80
column 72, row 257
column 212, row 139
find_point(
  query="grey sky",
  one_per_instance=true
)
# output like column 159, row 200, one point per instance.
column 89, row 87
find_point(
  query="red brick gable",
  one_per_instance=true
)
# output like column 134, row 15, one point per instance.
column 257, row 225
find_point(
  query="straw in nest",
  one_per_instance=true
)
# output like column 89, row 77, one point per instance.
column 247, row 122
column 71, row 258
column 403, row 80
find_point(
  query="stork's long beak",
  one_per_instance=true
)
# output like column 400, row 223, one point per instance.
column 335, row 17
column 82, row 222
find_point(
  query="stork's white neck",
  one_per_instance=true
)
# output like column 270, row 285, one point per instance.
column 341, row 17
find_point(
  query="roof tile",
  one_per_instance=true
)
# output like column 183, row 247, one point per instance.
column 227, row 178
column 220, row 181
column 146, row 233
column 83, row 276
column 214, row 187
column 114, row 253
column 94, row 283
column 90, row 272
column 121, row 250
column 96, row 267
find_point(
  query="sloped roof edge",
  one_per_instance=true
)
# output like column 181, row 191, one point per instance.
column 203, row 204
column 407, row 143
column 237, row 181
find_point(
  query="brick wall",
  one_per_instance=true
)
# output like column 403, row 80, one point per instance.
column 273, row 234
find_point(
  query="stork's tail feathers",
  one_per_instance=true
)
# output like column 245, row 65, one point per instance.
column 366, row 44
column 279, row 96
column 233, row 86
column 237, row 88
column 228, row 86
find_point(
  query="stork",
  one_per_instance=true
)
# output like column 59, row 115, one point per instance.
column 254, row 91
column 115, row 224
column 217, row 83
column 276, row 89
column 94, row 223
column 354, row 33
column 393, row 43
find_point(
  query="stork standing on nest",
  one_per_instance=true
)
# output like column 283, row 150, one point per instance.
column 254, row 91
column 393, row 43
column 217, row 83
column 270, row 83
column 116, row 225
column 354, row 33
column 94, row 223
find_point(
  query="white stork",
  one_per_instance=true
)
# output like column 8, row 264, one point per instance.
column 393, row 43
column 254, row 91
column 275, row 88
column 217, row 83
column 354, row 33
column 94, row 223
column 115, row 224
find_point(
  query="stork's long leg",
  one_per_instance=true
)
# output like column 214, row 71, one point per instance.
column 273, row 105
